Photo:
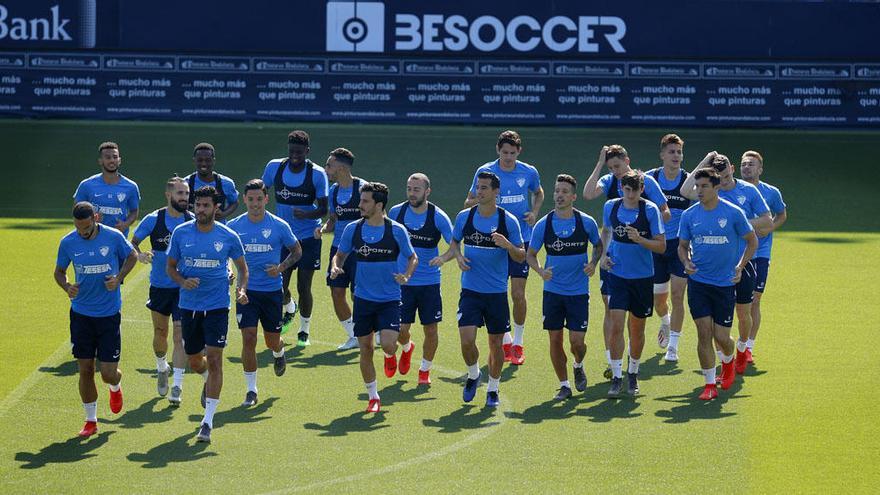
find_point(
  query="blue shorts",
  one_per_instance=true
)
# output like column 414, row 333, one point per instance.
column 372, row 316
column 635, row 295
column 311, row 257
column 603, row 282
column 667, row 264
column 711, row 300
column 425, row 298
column 762, row 269
column 201, row 328
column 349, row 267
column 518, row 270
column 571, row 311
column 96, row 336
column 263, row 307
column 476, row 309
column 745, row 288
column 164, row 301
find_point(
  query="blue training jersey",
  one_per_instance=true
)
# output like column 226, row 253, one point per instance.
column 94, row 260
column 229, row 190
column 676, row 202
column 343, row 202
column 488, row 273
column 204, row 255
column 774, row 201
column 569, row 253
column 377, row 258
column 262, row 242
column 652, row 191
column 425, row 274
column 714, row 237
column 630, row 260
column 516, row 185
column 302, row 228
column 113, row 201
column 747, row 198
column 158, row 276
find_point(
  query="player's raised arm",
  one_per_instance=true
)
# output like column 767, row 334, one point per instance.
column 592, row 190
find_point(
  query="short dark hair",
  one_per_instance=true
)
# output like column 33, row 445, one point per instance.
column 720, row 163
column 509, row 137
column 616, row 151
column 708, row 173
column 207, row 192
column 379, row 192
column 298, row 137
column 422, row 177
column 493, row 179
column 174, row 181
column 83, row 210
column 204, row 146
column 633, row 178
column 670, row 139
column 256, row 185
column 568, row 180
column 107, row 145
column 343, row 155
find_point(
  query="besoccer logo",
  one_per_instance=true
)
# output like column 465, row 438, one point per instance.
column 355, row 27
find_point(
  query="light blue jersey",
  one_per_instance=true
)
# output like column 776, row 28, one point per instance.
column 158, row 275
column 747, row 198
column 425, row 274
column 204, row 255
column 488, row 264
column 567, row 251
column 377, row 249
column 113, row 201
column 514, row 192
column 774, row 201
column 652, row 191
column 714, row 237
column 262, row 242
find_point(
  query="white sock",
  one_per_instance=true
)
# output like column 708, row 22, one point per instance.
column 740, row 346
column 710, row 376
column 250, row 377
column 204, row 375
column 161, row 364
column 278, row 354
column 407, row 346
column 426, row 365
column 577, row 365
column 665, row 319
column 633, row 365
column 474, row 371
column 617, row 368
column 210, row 409
column 507, row 338
column 178, row 377
column 608, row 356
column 518, row 331
column 290, row 307
column 304, row 323
column 750, row 344
column 115, row 388
column 493, row 384
column 726, row 359
column 387, row 355
column 348, row 326
column 91, row 409
column 372, row 389
column 673, row 338
column 564, row 383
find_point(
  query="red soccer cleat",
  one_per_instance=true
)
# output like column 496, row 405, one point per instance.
column 89, row 429
column 517, row 357
column 373, row 406
column 507, row 352
column 740, row 362
column 749, row 358
column 424, row 377
column 727, row 375
column 116, row 401
column 709, row 392
column 406, row 359
column 390, row 366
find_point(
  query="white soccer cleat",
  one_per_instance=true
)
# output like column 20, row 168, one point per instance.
column 671, row 355
column 351, row 343
column 663, row 336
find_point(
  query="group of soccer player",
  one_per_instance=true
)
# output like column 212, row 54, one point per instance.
column 703, row 233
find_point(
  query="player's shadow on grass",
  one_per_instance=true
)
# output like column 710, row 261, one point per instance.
column 507, row 373
column 145, row 414
column 395, row 393
column 691, row 408
column 833, row 240
column 460, row 419
column 548, row 410
column 38, row 225
column 653, row 367
column 240, row 414
column 358, row 422
column 181, row 449
column 68, row 368
column 326, row 358
column 72, row 450
column 264, row 358
column 606, row 410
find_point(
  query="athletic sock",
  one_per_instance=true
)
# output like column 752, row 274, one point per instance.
column 161, row 364
column 388, row 355
column 617, row 368
column 710, row 376
column 508, row 339
column 250, row 377
column 372, row 390
column 115, row 388
column 426, row 365
column 577, row 365
column 726, row 359
column 204, row 375
column 740, row 346
column 673, row 338
column 564, row 383
column 178, row 377
column 407, row 346
column 493, row 384
column 665, row 319
column 473, row 371
column 633, row 366
column 719, row 354
column 608, row 356
column 210, row 409
column 348, row 326
column 750, row 344
column 290, row 307
column 518, row 331
column 278, row 354
column 91, row 409
column 304, row 323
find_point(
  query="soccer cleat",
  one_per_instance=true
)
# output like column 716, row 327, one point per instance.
column 116, row 401
column 174, row 398
column 424, row 377
column 710, row 392
column 492, row 399
column 671, row 355
column 374, row 406
column 507, row 352
column 351, row 343
column 390, row 366
column 663, row 336
column 302, row 339
column 616, row 388
column 633, row 386
column 286, row 320
column 564, row 393
column 406, row 359
column 727, row 375
column 204, row 394
column 204, row 434
column 280, row 365
column 740, row 362
column 607, row 373
column 250, row 399
column 749, row 358
column 162, row 382
column 470, row 388
column 580, row 379
column 517, row 357
column 88, row 429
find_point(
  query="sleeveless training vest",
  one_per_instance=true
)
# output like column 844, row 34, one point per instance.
column 386, row 249
column 428, row 236
column 473, row 237
column 160, row 236
column 301, row 195
column 641, row 224
column 349, row 211
column 674, row 198
column 575, row 244
column 218, row 185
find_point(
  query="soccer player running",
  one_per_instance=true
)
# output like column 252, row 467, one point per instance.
column 490, row 235
column 751, row 167
column 746, row 197
column 204, row 159
column 197, row 261
column 426, row 224
column 632, row 230
column 101, row 258
column 301, row 200
column 344, row 209
column 377, row 242
column 164, row 292
column 715, row 257
column 522, row 195
column 263, row 236
column 668, row 270
column 115, row 196
column 565, row 234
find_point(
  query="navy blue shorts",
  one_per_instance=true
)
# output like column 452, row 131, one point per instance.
column 635, row 295
column 311, row 257
column 96, row 336
column 603, row 282
column 667, row 264
column 711, row 300
column 746, row 285
column 164, row 301
column 762, row 269
column 371, row 316
column 201, row 328
column 477, row 309
column 518, row 270
column 425, row 298
column 571, row 311
column 264, row 307
column 349, row 267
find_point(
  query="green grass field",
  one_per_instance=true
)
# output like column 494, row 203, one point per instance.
column 802, row 420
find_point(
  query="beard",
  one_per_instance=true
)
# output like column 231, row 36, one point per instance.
column 204, row 219
column 416, row 203
column 109, row 170
column 178, row 207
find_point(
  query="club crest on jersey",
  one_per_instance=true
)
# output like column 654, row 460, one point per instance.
column 104, row 250
column 120, row 197
column 218, row 246
column 741, row 200
column 267, row 233
column 722, row 222
column 520, row 181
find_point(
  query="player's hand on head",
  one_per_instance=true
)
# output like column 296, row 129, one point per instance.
column 602, row 154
